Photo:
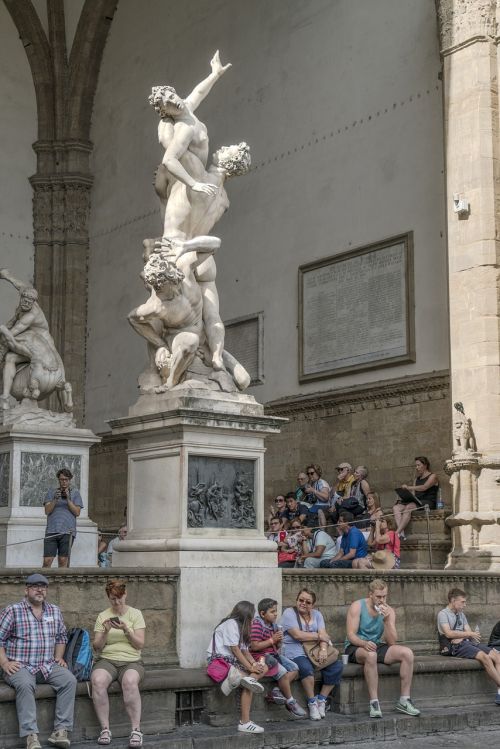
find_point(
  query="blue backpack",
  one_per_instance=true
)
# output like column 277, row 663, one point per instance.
column 78, row 654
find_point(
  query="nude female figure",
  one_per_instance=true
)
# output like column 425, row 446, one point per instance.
column 192, row 198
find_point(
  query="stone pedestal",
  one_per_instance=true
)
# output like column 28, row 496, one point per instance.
column 469, row 48
column 30, row 456
column 195, row 502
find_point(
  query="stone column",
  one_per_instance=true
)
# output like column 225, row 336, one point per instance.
column 469, row 49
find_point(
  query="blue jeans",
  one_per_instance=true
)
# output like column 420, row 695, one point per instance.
column 332, row 674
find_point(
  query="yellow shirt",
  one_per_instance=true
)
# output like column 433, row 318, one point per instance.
column 117, row 647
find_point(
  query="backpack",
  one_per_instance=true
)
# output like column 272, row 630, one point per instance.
column 78, row 654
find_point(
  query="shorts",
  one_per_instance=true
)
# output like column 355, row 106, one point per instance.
column 272, row 662
column 382, row 649
column 469, row 649
column 57, row 545
column 116, row 669
column 331, row 674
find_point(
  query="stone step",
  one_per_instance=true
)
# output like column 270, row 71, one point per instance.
column 174, row 697
column 333, row 730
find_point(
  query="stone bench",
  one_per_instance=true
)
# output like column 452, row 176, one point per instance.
column 173, row 697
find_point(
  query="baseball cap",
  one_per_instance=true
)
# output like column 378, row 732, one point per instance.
column 36, row 579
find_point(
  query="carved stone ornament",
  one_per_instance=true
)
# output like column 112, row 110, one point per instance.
column 220, row 493
column 464, row 443
column 461, row 21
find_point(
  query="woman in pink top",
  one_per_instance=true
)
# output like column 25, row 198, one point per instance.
column 382, row 537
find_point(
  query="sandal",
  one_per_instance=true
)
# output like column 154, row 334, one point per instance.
column 104, row 737
column 135, row 740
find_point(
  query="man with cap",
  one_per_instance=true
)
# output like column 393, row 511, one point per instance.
column 32, row 642
column 371, row 639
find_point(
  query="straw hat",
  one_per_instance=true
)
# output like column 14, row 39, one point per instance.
column 383, row 560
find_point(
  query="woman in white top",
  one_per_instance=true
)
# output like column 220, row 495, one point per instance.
column 231, row 641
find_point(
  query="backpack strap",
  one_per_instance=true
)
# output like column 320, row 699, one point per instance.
column 298, row 618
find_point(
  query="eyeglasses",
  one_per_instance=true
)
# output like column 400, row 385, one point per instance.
column 38, row 586
column 311, row 473
column 278, row 501
column 341, row 468
column 304, row 601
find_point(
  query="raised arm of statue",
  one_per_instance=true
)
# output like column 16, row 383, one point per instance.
column 19, row 285
column 200, row 91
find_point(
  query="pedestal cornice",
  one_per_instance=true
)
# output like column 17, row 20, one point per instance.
column 464, row 22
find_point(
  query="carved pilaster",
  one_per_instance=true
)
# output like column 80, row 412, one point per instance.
column 42, row 212
column 465, row 21
column 77, row 204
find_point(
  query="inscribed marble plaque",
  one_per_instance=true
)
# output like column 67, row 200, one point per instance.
column 357, row 310
column 4, row 479
column 221, row 493
column 244, row 340
column 38, row 474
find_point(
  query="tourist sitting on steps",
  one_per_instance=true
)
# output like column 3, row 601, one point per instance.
column 464, row 642
column 118, row 641
column 317, row 490
column 382, row 537
column 296, row 510
column 266, row 641
column 303, row 623
column 231, row 642
column 317, row 546
column 371, row 639
column 425, row 488
column 352, row 544
column 278, row 508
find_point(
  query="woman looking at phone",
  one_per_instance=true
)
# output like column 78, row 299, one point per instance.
column 119, row 638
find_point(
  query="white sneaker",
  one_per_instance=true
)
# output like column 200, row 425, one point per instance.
column 253, row 685
column 321, row 708
column 232, row 680
column 314, row 713
column 250, row 727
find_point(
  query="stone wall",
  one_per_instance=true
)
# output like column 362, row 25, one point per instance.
column 81, row 596
column 383, row 426
column 108, row 482
column 416, row 597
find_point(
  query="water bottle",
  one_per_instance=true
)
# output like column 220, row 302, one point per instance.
column 439, row 500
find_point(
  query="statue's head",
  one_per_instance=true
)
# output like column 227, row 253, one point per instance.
column 234, row 160
column 160, row 271
column 28, row 299
column 165, row 101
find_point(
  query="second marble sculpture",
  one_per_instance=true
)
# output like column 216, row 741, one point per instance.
column 181, row 320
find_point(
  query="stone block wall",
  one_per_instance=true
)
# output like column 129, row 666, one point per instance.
column 81, row 596
column 108, row 482
column 416, row 596
column 382, row 426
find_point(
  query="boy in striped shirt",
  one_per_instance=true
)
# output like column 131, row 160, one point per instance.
column 265, row 641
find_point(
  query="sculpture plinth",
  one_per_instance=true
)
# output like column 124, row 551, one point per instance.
column 195, row 501
column 32, row 450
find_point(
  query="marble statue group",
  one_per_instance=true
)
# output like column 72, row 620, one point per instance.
column 180, row 320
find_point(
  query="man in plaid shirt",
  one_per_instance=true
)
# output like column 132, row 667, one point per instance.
column 32, row 642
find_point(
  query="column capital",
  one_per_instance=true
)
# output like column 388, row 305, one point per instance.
column 462, row 22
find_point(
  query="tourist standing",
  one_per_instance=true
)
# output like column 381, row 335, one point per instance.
column 62, row 507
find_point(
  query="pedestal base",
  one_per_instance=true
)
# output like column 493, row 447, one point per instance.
column 30, row 456
column 196, row 503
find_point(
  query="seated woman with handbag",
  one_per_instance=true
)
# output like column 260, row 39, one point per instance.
column 232, row 665
column 307, row 643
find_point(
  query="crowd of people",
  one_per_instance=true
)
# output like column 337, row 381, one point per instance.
column 255, row 642
column 343, row 525
column 33, row 641
column 247, row 645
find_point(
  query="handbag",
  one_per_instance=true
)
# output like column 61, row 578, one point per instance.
column 218, row 668
column 445, row 644
column 311, row 649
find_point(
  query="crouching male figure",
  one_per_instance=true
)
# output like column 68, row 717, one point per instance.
column 465, row 642
column 32, row 643
column 371, row 639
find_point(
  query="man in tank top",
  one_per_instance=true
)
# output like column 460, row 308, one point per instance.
column 371, row 639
